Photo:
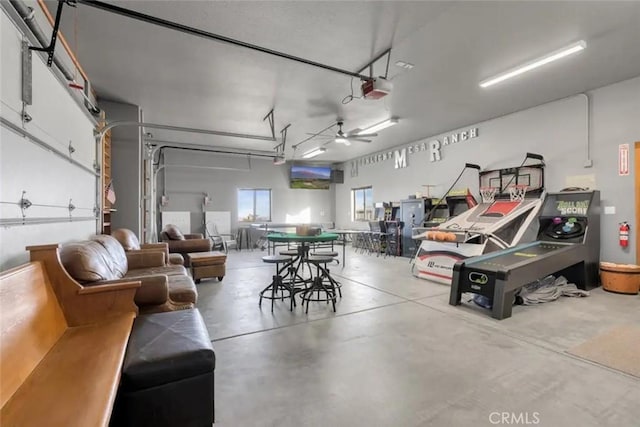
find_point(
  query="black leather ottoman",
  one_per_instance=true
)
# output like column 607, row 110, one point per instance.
column 167, row 375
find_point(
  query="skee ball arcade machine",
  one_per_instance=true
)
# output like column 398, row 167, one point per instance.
column 511, row 200
column 568, row 245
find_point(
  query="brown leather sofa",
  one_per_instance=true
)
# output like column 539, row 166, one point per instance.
column 184, row 243
column 103, row 260
column 130, row 242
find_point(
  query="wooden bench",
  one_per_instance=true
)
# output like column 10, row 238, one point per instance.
column 62, row 344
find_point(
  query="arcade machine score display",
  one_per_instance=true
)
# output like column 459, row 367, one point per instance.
column 568, row 244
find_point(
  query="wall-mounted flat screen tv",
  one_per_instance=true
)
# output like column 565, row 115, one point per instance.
column 311, row 177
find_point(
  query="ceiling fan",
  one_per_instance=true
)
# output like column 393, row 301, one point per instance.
column 346, row 138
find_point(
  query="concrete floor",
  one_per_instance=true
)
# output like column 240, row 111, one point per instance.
column 396, row 354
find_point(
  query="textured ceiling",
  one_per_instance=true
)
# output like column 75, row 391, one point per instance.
column 182, row 80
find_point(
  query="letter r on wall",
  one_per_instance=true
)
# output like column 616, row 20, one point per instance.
column 434, row 151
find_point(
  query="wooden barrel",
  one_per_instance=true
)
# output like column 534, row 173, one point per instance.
column 620, row 278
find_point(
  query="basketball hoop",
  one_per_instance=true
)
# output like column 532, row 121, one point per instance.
column 488, row 194
column 517, row 192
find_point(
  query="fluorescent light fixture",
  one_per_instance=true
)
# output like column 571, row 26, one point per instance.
column 382, row 125
column 553, row 56
column 315, row 152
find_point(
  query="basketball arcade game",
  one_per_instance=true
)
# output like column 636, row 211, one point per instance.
column 511, row 199
column 568, row 245
column 422, row 214
column 453, row 204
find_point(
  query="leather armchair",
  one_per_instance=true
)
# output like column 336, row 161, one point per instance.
column 130, row 243
column 184, row 243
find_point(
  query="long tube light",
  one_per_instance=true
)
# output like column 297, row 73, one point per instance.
column 553, row 56
column 382, row 125
column 315, row 152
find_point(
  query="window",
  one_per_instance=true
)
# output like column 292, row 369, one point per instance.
column 362, row 204
column 254, row 204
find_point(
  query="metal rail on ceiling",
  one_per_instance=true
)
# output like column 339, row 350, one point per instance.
column 225, row 168
column 27, row 17
column 64, row 42
column 211, row 36
column 295, row 146
column 50, row 49
column 216, row 150
column 111, row 125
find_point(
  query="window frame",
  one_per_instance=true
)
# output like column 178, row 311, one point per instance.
column 254, row 215
column 366, row 217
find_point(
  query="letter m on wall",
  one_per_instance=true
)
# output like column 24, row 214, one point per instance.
column 400, row 158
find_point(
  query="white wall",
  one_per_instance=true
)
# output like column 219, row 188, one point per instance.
column 185, row 187
column 558, row 130
column 615, row 119
column 47, row 178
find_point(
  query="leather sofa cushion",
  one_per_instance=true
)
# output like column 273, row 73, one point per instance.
column 153, row 292
column 169, row 270
column 117, row 254
column 127, row 239
column 88, row 261
column 173, row 232
column 167, row 347
column 186, row 246
column 182, row 289
column 176, row 259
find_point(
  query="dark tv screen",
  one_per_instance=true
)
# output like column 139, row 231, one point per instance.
column 311, row 177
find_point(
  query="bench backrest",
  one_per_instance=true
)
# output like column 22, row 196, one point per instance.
column 31, row 322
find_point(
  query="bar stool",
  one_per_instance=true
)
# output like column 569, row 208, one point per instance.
column 295, row 272
column 289, row 252
column 319, row 285
column 277, row 284
column 332, row 254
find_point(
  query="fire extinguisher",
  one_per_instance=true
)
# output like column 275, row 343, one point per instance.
column 623, row 234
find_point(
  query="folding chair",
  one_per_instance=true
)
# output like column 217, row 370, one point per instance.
column 219, row 241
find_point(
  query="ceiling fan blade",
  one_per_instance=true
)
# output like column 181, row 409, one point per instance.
column 359, row 139
column 321, row 134
column 363, row 135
